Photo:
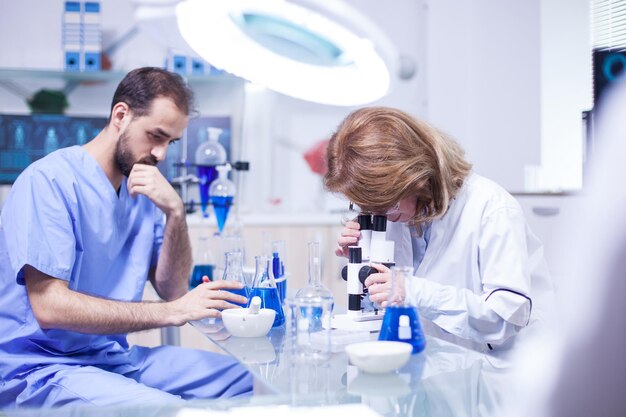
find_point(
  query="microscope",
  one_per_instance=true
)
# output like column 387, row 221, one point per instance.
column 373, row 247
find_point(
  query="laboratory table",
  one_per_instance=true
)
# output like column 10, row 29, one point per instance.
column 443, row 380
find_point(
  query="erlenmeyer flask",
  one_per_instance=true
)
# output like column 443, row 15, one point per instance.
column 203, row 262
column 264, row 286
column 401, row 322
column 234, row 272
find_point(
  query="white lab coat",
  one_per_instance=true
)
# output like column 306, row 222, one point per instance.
column 483, row 278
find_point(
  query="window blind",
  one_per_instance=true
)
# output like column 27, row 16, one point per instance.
column 609, row 24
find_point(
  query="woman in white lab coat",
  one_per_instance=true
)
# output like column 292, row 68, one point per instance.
column 480, row 276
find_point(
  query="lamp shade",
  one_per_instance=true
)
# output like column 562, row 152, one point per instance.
column 323, row 52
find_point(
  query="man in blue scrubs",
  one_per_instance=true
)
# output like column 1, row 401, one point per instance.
column 81, row 232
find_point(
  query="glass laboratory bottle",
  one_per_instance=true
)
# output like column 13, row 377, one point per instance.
column 222, row 193
column 208, row 156
column 315, row 290
column 401, row 322
column 264, row 286
column 233, row 271
column 203, row 262
column 278, row 267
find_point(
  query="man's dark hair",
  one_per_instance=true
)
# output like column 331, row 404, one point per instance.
column 142, row 85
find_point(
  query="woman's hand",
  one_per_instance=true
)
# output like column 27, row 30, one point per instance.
column 379, row 287
column 349, row 236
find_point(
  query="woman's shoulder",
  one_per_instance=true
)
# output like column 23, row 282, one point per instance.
column 485, row 192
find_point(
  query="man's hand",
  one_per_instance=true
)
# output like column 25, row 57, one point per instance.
column 55, row 306
column 148, row 180
column 206, row 300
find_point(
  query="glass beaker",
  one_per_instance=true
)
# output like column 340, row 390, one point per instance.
column 264, row 286
column 315, row 289
column 234, row 272
column 401, row 322
column 203, row 262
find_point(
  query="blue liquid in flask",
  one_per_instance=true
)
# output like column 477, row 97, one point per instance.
column 198, row 272
column 206, row 175
column 391, row 322
column 270, row 299
column 221, row 205
column 245, row 291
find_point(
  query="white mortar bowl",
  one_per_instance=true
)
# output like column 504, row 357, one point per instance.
column 379, row 357
column 240, row 323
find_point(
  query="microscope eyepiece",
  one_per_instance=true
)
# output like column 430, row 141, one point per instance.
column 365, row 221
column 380, row 223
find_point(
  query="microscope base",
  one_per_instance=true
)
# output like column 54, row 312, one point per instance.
column 368, row 321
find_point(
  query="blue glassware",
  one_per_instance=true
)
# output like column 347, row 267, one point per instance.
column 221, row 206
column 198, row 272
column 206, row 175
column 264, row 286
column 391, row 327
column 401, row 322
column 222, row 193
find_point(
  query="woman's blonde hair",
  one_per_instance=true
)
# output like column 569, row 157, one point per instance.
column 379, row 156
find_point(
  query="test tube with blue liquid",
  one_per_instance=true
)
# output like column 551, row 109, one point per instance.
column 203, row 263
column 401, row 322
column 264, row 286
column 234, row 272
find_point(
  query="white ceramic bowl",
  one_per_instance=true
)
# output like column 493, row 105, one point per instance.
column 379, row 357
column 239, row 322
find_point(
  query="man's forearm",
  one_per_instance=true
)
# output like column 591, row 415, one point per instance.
column 175, row 260
column 55, row 306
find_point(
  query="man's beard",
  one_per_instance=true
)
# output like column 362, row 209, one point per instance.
column 124, row 158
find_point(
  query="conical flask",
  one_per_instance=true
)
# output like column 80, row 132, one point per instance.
column 264, row 286
column 203, row 262
column 401, row 322
column 233, row 271
column 222, row 193
column 315, row 289
column 209, row 155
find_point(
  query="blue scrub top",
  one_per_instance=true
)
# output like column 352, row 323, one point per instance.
column 64, row 218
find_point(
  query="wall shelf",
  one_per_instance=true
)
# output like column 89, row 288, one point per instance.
column 11, row 74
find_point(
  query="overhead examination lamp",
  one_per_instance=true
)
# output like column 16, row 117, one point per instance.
column 320, row 51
